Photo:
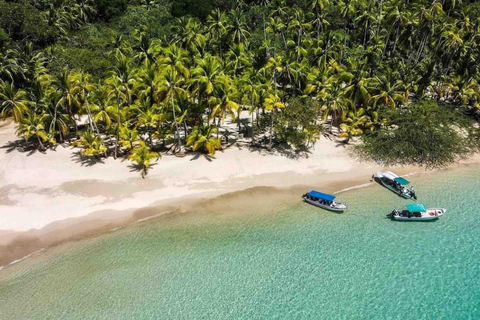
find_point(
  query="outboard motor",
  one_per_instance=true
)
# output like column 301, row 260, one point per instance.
column 392, row 214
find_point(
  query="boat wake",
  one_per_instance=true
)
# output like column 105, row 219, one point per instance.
column 355, row 187
column 369, row 184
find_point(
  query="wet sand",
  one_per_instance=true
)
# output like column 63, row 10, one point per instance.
column 15, row 245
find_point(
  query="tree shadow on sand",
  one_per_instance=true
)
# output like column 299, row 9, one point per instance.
column 135, row 167
column 86, row 160
column 283, row 149
column 198, row 155
column 21, row 146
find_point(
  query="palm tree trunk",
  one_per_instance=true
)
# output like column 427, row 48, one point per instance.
column 185, row 128
column 40, row 143
column 271, row 131
column 176, row 125
column 253, row 130
column 265, row 35
column 117, row 130
column 93, row 126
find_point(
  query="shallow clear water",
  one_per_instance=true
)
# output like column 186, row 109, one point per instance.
column 296, row 262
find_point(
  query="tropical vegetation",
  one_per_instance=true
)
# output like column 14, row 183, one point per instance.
column 136, row 77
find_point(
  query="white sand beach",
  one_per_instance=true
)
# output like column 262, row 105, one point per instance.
column 40, row 188
column 49, row 197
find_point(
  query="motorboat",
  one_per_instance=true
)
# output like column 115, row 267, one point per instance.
column 396, row 184
column 417, row 212
column 324, row 201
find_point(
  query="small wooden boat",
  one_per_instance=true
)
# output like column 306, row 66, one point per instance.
column 324, row 201
column 416, row 212
column 396, row 184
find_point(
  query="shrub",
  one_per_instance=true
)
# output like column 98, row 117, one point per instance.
column 109, row 9
column 425, row 134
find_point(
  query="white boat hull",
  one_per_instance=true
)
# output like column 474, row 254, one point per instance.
column 405, row 194
column 430, row 214
column 338, row 208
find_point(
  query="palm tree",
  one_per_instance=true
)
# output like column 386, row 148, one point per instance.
column 237, row 59
column 177, row 58
column 56, row 117
column 202, row 137
column 129, row 137
column 142, row 155
column 352, row 125
column 207, row 69
column 336, row 103
column 251, row 86
column 222, row 102
column 171, row 84
column 118, row 91
column 237, row 29
column 82, row 86
column 388, row 93
column 91, row 143
column 15, row 101
column 273, row 104
column 217, row 25
column 318, row 6
column 189, row 35
column 65, row 83
column 32, row 125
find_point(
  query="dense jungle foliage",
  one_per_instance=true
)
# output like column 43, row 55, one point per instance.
column 133, row 77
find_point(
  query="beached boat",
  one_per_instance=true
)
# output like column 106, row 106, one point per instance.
column 324, row 201
column 416, row 212
column 396, row 184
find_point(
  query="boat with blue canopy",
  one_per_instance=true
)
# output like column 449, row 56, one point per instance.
column 416, row 212
column 324, row 201
column 396, row 184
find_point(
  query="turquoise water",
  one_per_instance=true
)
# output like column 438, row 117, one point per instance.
column 290, row 262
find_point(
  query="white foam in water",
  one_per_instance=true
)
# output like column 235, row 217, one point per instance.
column 355, row 187
column 368, row 184
column 21, row 259
column 152, row 217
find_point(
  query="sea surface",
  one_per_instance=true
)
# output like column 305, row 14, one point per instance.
column 288, row 262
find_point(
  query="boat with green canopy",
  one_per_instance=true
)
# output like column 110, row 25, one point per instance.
column 324, row 201
column 396, row 184
column 416, row 212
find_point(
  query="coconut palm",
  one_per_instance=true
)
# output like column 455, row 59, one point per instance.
column 32, row 125
column 273, row 104
column 237, row 28
column 14, row 101
column 353, row 124
column 217, row 23
column 203, row 137
column 204, row 75
column 117, row 90
column 171, row 84
column 129, row 138
column 222, row 101
column 142, row 155
column 91, row 143
column 82, row 86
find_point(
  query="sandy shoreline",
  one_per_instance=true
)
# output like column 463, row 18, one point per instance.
column 53, row 197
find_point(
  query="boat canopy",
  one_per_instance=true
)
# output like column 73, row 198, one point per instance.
column 401, row 180
column 322, row 196
column 416, row 207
